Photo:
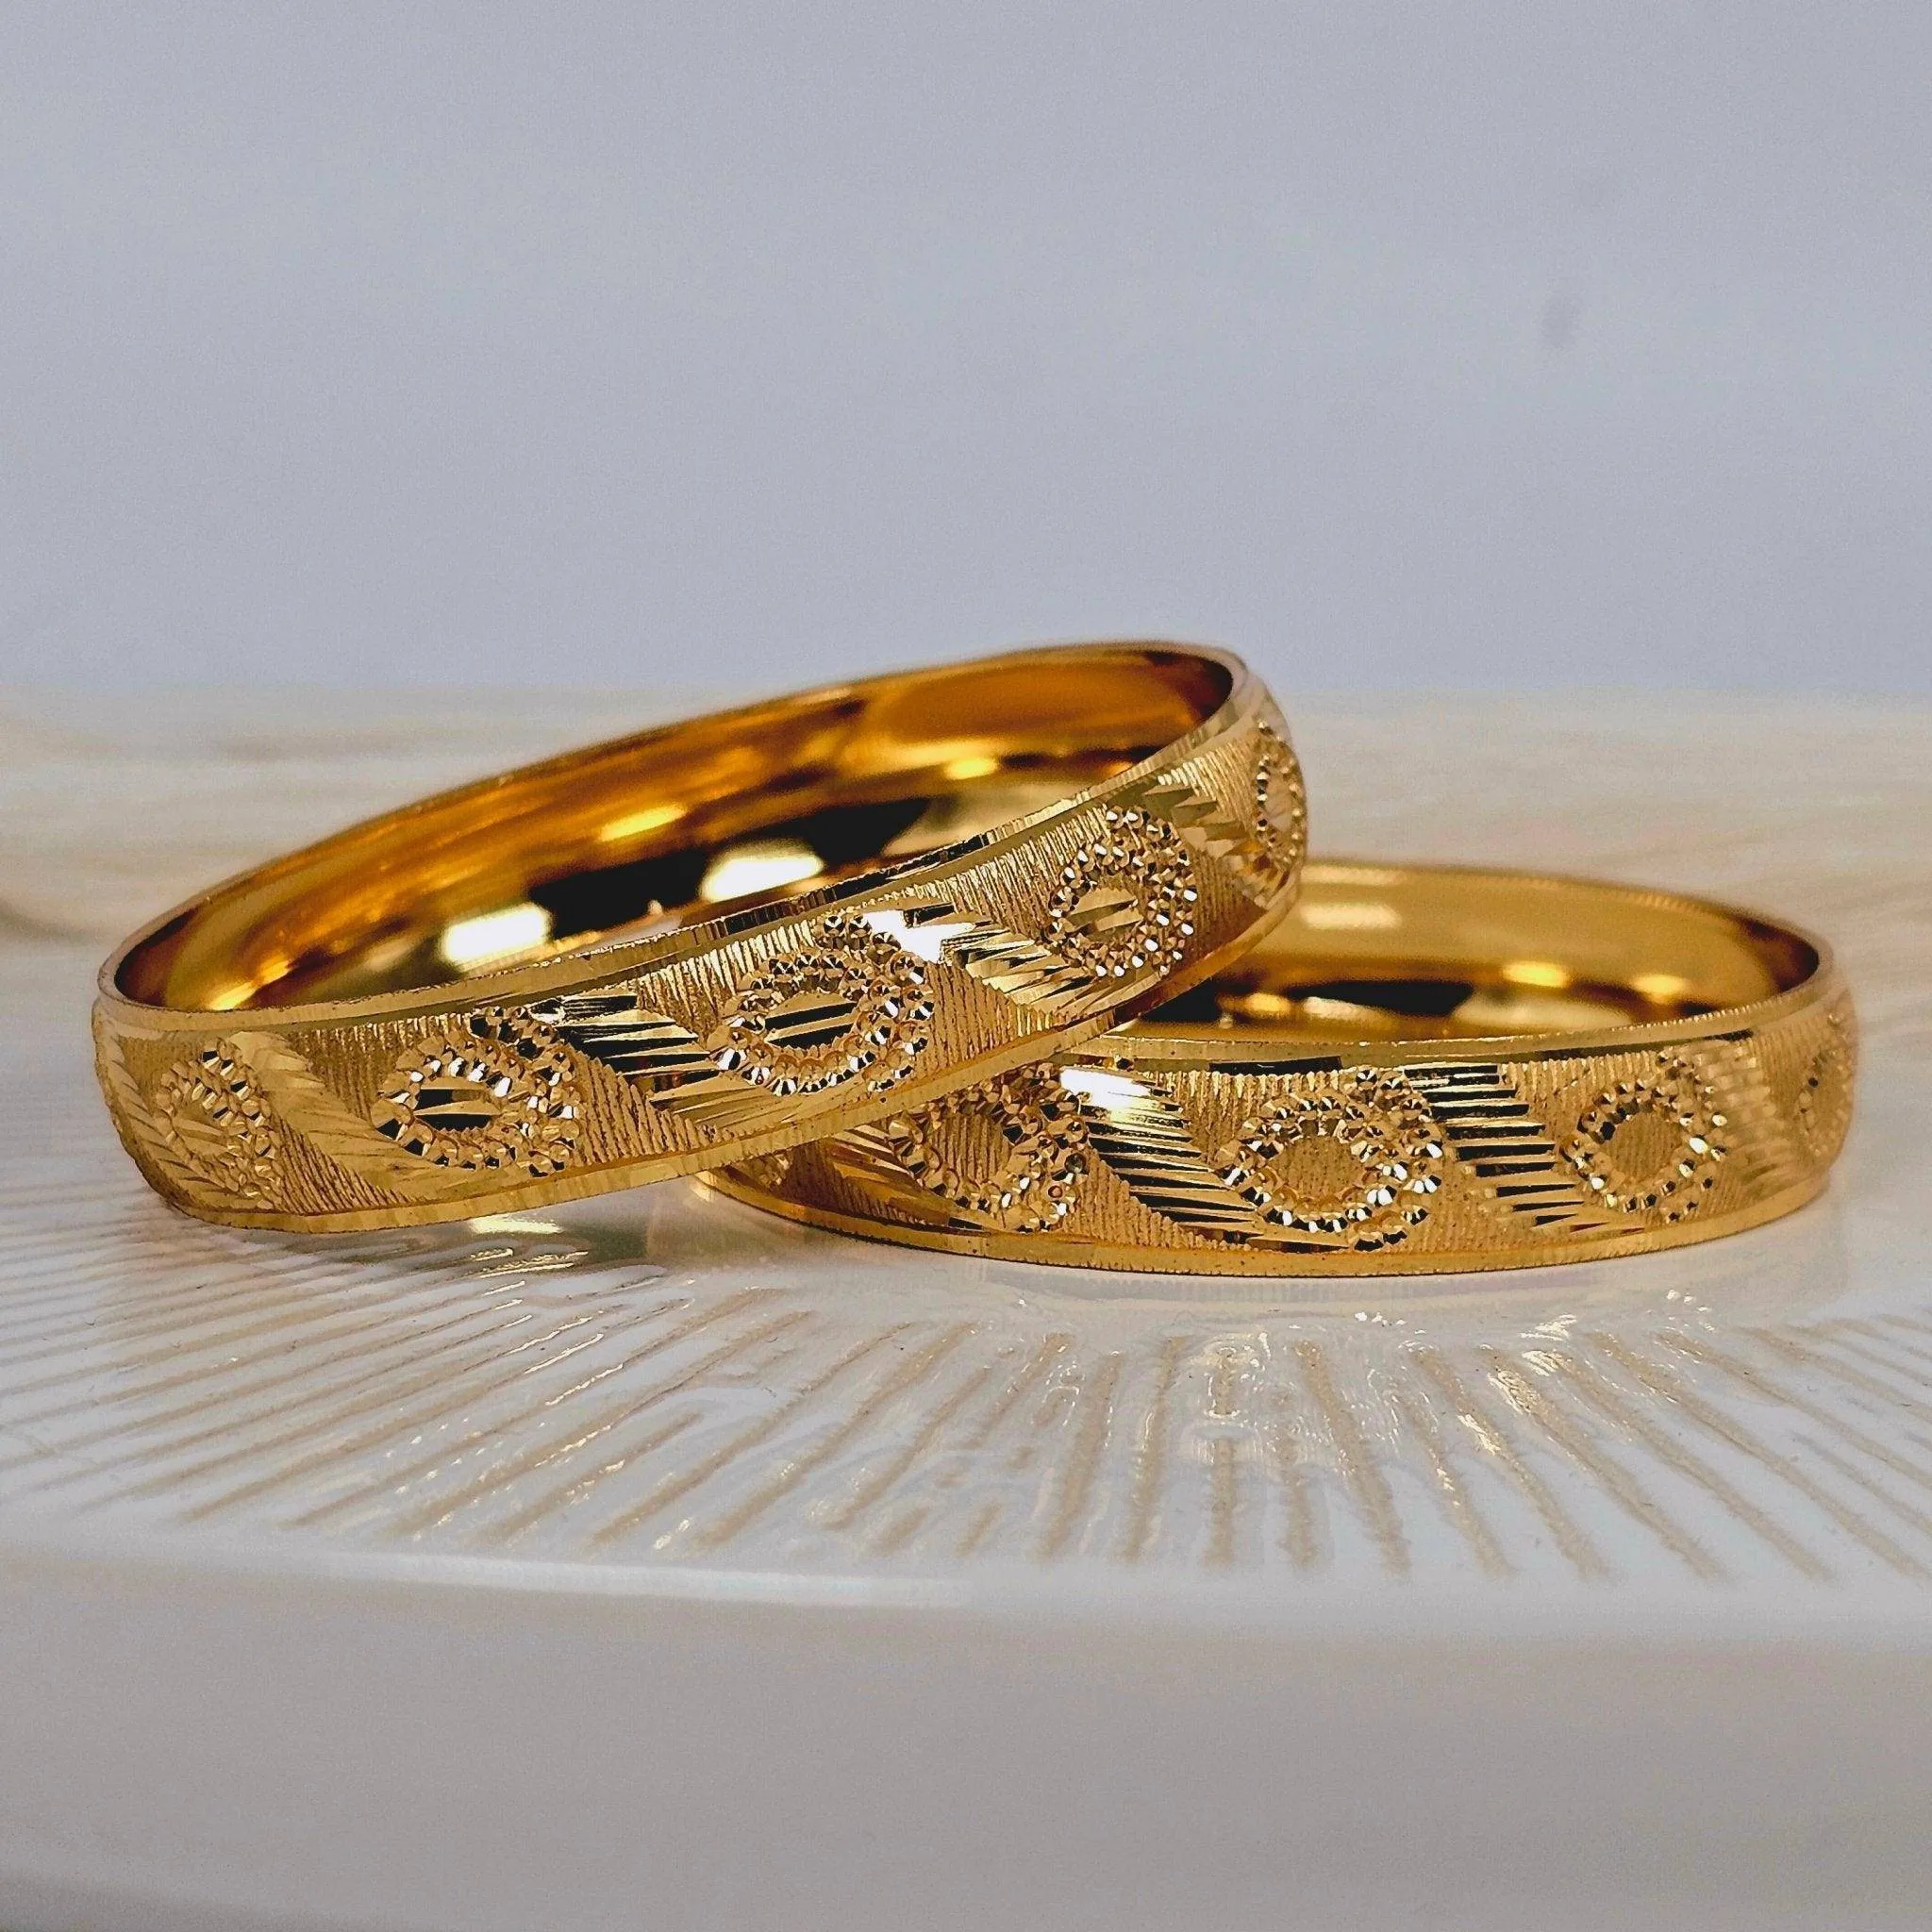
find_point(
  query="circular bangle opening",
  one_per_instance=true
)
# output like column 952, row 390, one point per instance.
column 1444, row 953
column 687, row 822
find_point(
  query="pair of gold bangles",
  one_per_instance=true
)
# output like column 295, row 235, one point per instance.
column 1018, row 957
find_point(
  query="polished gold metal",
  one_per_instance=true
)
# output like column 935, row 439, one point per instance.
column 704, row 942
column 1423, row 1069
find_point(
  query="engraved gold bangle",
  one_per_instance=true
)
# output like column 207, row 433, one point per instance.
column 1423, row 1069
column 702, row 942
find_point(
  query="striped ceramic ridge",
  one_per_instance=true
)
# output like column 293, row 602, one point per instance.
column 698, row 1384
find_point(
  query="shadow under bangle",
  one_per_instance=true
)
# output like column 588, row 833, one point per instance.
column 702, row 942
column 1423, row 1069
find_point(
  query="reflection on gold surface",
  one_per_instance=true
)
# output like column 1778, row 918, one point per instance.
column 1533, row 972
column 1351, row 915
column 636, row 824
column 473, row 942
column 758, row 865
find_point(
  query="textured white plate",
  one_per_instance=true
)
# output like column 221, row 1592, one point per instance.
column 660, row 1563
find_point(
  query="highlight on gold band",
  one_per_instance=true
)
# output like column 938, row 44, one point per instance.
column 704, row 941
column 1423, row 1070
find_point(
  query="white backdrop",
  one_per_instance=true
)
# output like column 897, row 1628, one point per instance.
column 735, row 346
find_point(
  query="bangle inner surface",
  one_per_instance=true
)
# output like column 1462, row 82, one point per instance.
column 1439, row 953
column 646, row 834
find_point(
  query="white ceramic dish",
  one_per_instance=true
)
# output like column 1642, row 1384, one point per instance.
column 658, row 1564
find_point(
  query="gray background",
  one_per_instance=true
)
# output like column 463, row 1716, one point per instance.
column 729, row 346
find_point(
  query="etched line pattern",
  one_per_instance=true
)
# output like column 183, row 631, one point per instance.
column 1505, row 1147
column 699, row 1391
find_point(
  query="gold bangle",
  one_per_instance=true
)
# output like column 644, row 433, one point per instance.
column 702, row 942
column 1423, row 1070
